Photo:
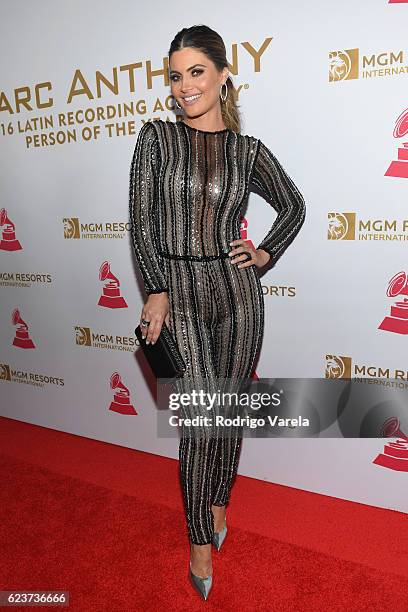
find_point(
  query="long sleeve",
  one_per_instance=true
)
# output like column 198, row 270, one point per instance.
column 278, row 189
column 143, row 209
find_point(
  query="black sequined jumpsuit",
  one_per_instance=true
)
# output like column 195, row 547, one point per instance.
column 187, row 190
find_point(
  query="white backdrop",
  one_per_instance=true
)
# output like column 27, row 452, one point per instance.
column 325, row 98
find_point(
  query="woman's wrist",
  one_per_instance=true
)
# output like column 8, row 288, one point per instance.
column 265, row 256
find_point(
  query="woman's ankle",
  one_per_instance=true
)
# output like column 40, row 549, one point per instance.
column 219, row 513
column 201, row 559
column 200, row 549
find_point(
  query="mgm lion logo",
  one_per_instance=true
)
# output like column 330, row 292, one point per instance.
column 343, row 65
column 83, row 336
column 5, row 372
column 71, row 227
column 341, row 226
column 338, row 366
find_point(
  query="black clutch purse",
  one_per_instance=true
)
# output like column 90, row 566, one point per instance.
column 163, row 356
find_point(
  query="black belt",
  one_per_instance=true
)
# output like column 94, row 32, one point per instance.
column 195, row 257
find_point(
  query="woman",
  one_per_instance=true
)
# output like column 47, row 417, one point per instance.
column 189, row 181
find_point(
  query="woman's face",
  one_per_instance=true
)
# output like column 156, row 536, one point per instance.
column 193, row 74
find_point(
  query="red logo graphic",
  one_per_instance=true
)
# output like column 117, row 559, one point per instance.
column 8, row 240
column 398, row 320
column 399, row 167
column 121, row 399
column 243, row 231
column 397, row 1
column 111, row 297
column 22, row 338
column 395, row 455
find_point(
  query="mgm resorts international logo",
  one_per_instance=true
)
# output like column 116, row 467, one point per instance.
column 341, row 366
column 74, row 229
column 85, row 336
column 346, row 226
column 9, row 374
column 395, row 453
column 345, row 64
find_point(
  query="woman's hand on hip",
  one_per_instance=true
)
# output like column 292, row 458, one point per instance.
column 244, row 256
column 156, row 310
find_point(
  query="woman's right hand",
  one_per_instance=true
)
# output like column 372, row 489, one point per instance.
column 156, row 310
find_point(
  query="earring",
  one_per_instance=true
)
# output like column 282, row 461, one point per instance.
column 177, row 104
column 223, row 98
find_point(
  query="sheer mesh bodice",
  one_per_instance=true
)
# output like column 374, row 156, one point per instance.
column 188, row 188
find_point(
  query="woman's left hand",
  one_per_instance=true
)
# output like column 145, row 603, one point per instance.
column 243, row 255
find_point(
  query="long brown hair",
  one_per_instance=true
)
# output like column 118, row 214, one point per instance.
column 209, row 42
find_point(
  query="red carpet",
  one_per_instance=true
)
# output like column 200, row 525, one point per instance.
column 106, row 523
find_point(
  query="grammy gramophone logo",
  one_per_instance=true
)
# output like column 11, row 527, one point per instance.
column 343, row 65
column 121, row 399
column 22, row 338
column 110, row 297
column 8, row 240
column 395, row 454
column 397, row 321
column 341, row 226
column 338, row 366
column 71, row 228
column 243, row 230
column 399, row 166
column 243, row 226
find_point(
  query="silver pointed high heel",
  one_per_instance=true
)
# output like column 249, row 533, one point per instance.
column 219, row 537
column 203, row 585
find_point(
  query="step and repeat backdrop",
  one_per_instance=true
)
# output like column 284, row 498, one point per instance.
column 324, row 86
